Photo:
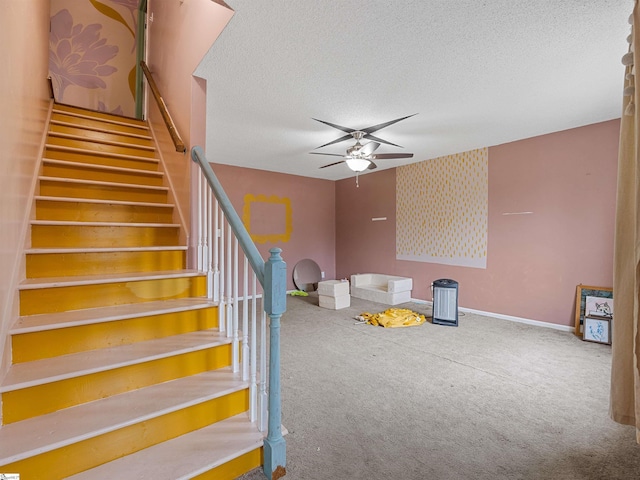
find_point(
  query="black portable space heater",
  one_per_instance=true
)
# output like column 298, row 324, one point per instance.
column 445, row 302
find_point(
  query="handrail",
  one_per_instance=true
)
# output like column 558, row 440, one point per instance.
column 175, row 136
column 248, row 247
column 272, row 275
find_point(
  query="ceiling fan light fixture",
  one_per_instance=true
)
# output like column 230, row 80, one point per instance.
column 358, row 164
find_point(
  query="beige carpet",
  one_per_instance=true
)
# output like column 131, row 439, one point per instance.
column 490, row 399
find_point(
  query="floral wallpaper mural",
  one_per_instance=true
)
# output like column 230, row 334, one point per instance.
column 92, row 54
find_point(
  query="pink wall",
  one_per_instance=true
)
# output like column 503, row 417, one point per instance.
column 360, row 242
column 180, row 33
column 24, row 96
column 534, row 262
column 312, row 207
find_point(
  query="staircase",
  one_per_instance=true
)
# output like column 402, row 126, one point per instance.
column 118, row 368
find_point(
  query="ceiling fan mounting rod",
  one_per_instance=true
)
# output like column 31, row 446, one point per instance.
column 355, row 151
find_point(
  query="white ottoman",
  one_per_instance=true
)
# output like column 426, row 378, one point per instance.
column 334, row 294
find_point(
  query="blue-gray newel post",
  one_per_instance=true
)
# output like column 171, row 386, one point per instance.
column 275, row 304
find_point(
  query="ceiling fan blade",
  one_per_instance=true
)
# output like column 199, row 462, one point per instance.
column 369, row 148
column 372, row 166
column 379, row 140
column 332, row 164
column 383, row 156
column 339, row 127
column 380, row 126
column 328, row 154
column 341, row 139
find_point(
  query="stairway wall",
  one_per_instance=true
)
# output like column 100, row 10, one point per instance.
column 180, row 34
column 24, row 96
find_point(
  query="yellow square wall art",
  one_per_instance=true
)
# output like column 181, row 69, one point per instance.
column 267, row 219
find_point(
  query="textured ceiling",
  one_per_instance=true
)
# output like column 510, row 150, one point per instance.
column 476, row 73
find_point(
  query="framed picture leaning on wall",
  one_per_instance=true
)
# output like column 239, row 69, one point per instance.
column 600, row 295
column 597, row 329
column 598, row 307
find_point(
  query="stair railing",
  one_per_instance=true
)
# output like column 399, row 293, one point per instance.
column 171, row 126
column 221, row 234
column 217, row 255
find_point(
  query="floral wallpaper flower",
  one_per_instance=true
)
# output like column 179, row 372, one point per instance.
column 132, row 7
column 77, row 54
column 92, row 54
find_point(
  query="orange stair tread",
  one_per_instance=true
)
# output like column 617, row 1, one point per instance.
column 114, row 143
column 99, row 116
column 22, row 439
column 101, row 183
column 74, row 318
column 101, row 224
column 35, row 283
column 183, row 457
column 99, row 153
column 98, row 201
column 89, row 250
column 80, row 126
column 49, row 370
column 94, row 166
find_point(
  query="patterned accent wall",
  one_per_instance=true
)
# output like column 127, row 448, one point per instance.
column 92, row 54
column 442, row 210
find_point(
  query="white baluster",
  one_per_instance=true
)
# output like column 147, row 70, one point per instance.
column 245, row 320
column 264, row 398
column 228, row 276
column 201, row 186
column 206, row 220
column 209, row 265
column 235, row 348
column 216, row 254
column 222, row 307
column 253, row 386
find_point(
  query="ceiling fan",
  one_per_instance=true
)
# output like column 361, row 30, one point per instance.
column 360, row 157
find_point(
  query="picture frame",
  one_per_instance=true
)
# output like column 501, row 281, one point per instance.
column 597, row 329
column 598, row 307
column 582, row 292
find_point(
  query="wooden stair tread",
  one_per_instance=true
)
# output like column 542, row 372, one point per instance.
column 73, row 318
column 80, row 126
column 63, row 427
column 103, row 202
column 40, row 372
column 51, row 282
column 108, row 168
column 101, row 116
column 113, row 143
column 99, row 153
column 102, row 224
column 184, row 457
column 104, row 184
column 48, row 251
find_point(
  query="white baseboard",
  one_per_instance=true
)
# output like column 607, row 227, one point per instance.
column 511, row 318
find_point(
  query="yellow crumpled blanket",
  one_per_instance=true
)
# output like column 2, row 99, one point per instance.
column 394, row 317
